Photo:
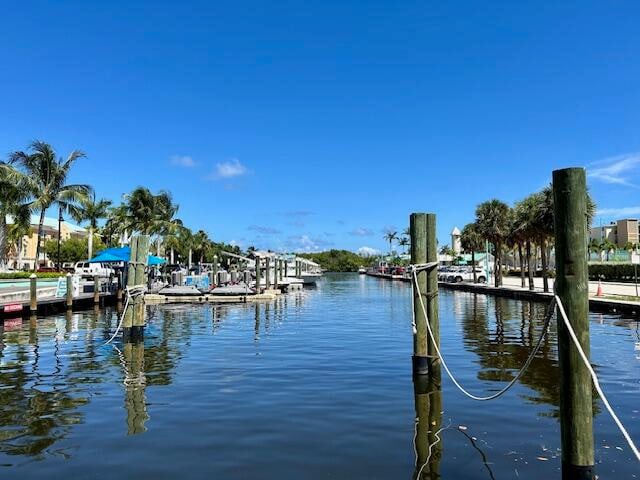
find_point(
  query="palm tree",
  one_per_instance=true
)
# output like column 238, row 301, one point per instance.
column 404, row 242
column 471, row 242
column 201, row 244
column 607, row 246
column 91, row 210
column 116, row 224
column 492, row 221
column 13, row 202
column 390, row 237
column 46, row 182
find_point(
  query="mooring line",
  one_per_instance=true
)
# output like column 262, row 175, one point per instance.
column 132, row 292
column 556, row 301
column 446, row 367
column 594, row 378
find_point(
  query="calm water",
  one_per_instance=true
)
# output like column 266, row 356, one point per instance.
column 316, row 385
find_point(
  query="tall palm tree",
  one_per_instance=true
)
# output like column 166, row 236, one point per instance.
column 471, row 242
column 46, row 181
column 390, row 237
column 201, row 244
column 404, row 242
column 116, row 224
column 91, row 210
column 14, row 198
column 492, row 221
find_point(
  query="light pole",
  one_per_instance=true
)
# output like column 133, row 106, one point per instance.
column 60, row 220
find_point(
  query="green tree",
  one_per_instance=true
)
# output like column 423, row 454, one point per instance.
column 390, row 237
column 471, row 242
column 493, row 221
column 404, row 242
column 71, row 250
column 14, row 198
column 91, row 211
column 46, row 181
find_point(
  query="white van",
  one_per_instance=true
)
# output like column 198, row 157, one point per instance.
column 92, row 269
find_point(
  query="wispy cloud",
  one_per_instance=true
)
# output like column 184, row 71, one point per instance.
column 618, row 212
column 618, row 170
column 184, row 161
column 361, row 232
column 263, row 230
column 229, row 169
column 368, row 251
column 298, row 213
column 306, row 243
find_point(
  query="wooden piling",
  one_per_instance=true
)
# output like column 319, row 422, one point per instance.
column 142, row 256
column 33, row 293
column 275, row 272
column 267, row 273
column 215, row 270
column 286, row 268
column 96, row 290
column 69, row 293
column 571, row 284
column 258, row 273
column 422, row 229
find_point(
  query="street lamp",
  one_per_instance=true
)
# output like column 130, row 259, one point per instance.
column 60, row 220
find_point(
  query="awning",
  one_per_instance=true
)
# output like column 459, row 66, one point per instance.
column 122, row 254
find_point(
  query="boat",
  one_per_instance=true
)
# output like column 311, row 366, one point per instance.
column 180, row 291
column 238, row 289
column 310, row 278
column 362, row 270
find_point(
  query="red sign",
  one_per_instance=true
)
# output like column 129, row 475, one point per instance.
column 13, row 307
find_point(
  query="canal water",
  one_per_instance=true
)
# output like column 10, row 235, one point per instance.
column 316, row 385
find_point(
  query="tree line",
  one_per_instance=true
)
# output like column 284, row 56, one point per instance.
column 525, row 227
column 36, row 180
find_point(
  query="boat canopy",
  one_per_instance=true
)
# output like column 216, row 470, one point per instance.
column 122, row 254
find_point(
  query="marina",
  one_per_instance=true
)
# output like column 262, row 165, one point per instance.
column 308, row 354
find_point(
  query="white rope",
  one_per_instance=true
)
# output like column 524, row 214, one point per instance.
column 132, row 292
column 431, row 445
column 418, row 267
column 594, row 378
column 446, row 367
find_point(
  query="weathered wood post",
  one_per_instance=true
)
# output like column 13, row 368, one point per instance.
column 33, row 293
column 215, row 270
column 281, row 268
column 142, row 257
column 127, row 323
column 286, row 268
column 258, row 273
column 267, row 272
column 119, row 289
column 275, row 272
column 96, row 290
column 571, row 284
column 69, row 293
column 422, row 229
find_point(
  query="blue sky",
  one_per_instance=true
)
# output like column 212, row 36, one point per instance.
column 310, row 125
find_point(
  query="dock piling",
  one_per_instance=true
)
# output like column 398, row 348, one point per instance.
column 215, row 270
column 33, row 291
column 96, row 290
column 258, row 273
column 69, row 293
column 267, row 272
column 422, row 229
column 571, row 284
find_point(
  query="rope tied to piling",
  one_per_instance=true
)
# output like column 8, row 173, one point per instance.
column 131, row 292
column 556, row 301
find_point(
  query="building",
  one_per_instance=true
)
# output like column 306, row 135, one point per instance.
column 620, row 233
column 22, row 255
column 456, row 244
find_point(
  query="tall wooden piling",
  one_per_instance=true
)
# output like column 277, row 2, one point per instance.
column 69, row 292
column 33, row 293
column 215, row 269
column 286, row 268
column 275, row 272
column 422, row 229
column 571, row 284
column 267, row 272
column 142, row 257
column 258, row 273
column 96, row 290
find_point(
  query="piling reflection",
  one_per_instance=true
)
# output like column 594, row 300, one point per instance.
column 427, row 441
column 135, row 383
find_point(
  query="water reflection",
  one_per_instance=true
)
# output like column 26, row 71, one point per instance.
column 428, row 427
column 134, row 382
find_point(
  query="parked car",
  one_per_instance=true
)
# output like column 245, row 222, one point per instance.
column 465, row 274
column 92, row 269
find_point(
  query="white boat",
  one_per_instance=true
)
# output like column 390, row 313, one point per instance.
column 362, row 270
column 310, row 278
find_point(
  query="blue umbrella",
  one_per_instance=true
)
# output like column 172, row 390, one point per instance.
column 122, row 254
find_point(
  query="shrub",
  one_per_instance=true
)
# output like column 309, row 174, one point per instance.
column 23, row 275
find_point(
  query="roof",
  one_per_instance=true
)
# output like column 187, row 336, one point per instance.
column 49, row 222
column 455, row 231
